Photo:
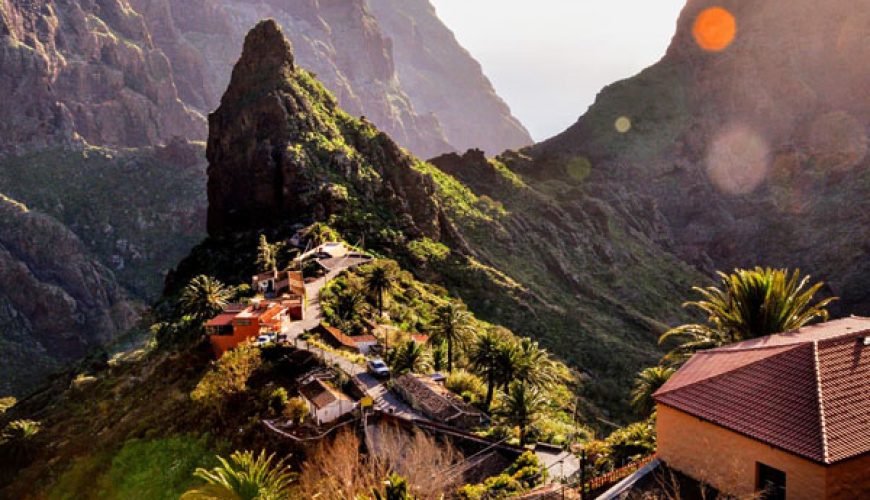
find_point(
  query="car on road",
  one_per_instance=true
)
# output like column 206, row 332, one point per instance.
column 264, row 339
column 378, row 368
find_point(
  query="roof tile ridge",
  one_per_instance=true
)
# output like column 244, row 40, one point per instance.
column 726, row 348
column 821, row 406
column 790, row 347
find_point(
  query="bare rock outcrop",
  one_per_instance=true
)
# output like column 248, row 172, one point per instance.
column 85, row 70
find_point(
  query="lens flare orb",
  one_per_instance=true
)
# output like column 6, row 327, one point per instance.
column 738, row 160
column 622, row 124
column 714, row 29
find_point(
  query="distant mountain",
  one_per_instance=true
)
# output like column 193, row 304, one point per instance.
column 394, row 62
column 755, row 154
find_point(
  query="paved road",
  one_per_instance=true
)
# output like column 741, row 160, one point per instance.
column 560, row 464
column 385, row 400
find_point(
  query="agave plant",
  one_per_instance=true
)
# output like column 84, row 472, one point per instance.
column 749, row 303
column 244, row 476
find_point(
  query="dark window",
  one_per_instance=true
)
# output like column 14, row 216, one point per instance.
column 771, row 482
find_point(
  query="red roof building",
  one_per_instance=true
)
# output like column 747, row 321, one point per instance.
column 791, row 411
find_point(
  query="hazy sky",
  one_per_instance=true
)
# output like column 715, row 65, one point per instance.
column 549, row 58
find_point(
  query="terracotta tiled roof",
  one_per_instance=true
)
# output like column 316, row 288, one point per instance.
column 805, row 392
column 223, row 319
column 335, row 336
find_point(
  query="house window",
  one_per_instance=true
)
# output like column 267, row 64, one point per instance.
column 243, row 322
column 771, row 482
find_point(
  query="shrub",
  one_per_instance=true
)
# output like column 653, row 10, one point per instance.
column 278, row 400
column 228, row 377
column 461, row 381
column 296, row 410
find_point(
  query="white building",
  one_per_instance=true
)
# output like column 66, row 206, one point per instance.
column 325, row 403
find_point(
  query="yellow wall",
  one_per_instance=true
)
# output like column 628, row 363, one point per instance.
column 850, row 479
column 727, row 460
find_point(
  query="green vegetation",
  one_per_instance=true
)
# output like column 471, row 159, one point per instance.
column 521, row 405
column 410, row 356
column 228, row 378
column 749, row 303
column 138, row 210
column 523, row 475
column 158, row 469
column 244, row 476
column 648, row 381
column 379, row 282
column 453, row 326
column 203, row 298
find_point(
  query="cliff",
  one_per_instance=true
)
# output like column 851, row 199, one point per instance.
column 754, row 154
column 56, row 302
column 72, row 71
column 371, row 56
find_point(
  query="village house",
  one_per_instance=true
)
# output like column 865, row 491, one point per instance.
column 325, row 403
column 788, row 414
column 361, row 344
column 436, row 402
column 236, row 324
column 273, row 284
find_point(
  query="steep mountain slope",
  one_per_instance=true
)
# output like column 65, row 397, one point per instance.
column 56, row 302
column 443, row 79
column 587, row 278
column 85, row 70
column 755, row 154
column 361, row 54
column 82, row 81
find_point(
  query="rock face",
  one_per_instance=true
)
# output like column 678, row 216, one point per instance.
column 444, row 80
column 85, row 70
column 396, row 64
column 278, row 141
column 756, row 154
column 56, row 303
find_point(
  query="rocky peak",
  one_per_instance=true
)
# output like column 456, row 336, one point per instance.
column 280, row 149
column 266, row 60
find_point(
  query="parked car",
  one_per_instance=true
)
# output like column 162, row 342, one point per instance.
column 263, row 340
column 378, row 368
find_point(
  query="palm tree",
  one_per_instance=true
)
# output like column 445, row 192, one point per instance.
column 521, row 405
column 410, row 357
column 534, row 365
column 244, row 477
column 379, row 281
column 204, row 297
column 483, row 358
column 647, row 382
column 453, row 325
column 507, row 362
column 348, row 305
column 750, row 303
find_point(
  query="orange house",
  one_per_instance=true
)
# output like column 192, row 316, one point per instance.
column 787, row 414
column 230, row 329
